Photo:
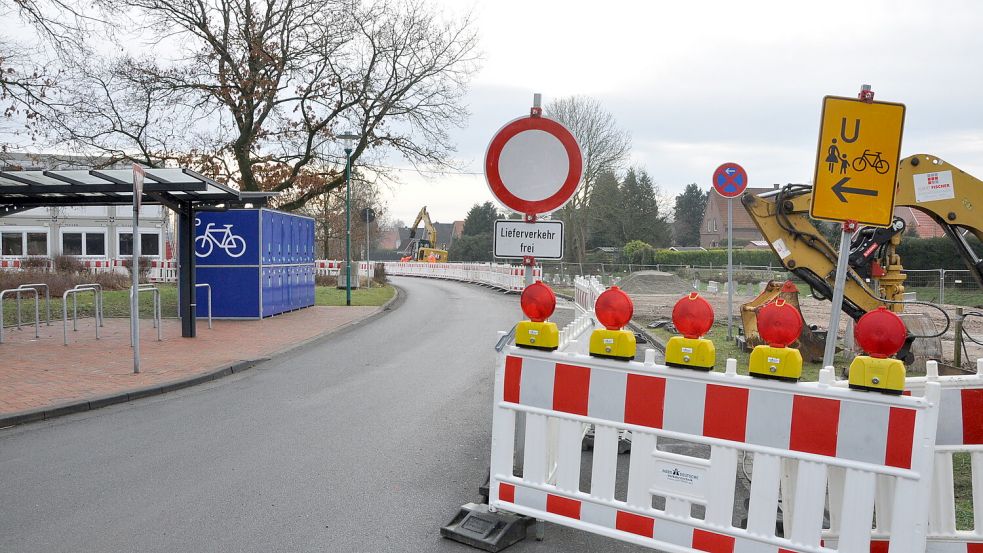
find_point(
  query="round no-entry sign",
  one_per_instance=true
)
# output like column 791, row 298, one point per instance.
column 730, row 180
column 533, row 165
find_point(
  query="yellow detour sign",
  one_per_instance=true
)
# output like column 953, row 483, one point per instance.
column 857, row 161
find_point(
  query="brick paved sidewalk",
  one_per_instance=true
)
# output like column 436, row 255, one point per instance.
column 40, row 374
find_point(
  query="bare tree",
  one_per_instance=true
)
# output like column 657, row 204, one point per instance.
column 262, row 89
column 26, row 80
column 605, row 148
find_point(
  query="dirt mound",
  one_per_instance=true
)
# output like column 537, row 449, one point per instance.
column 655, row 282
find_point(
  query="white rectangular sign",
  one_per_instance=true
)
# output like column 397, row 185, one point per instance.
column 930, row 187
column 517, row 238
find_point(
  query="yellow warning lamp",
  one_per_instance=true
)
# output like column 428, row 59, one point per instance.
column 538, row 302
column 693, row 317
column 779, row 324
column 613, row 309
column 880, row 333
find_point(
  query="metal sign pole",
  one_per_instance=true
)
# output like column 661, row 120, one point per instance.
column 138, row 176
column 730, row 268
column 368, row 264
column 838, row 286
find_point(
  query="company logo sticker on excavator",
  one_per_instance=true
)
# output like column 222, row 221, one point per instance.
column 930, row 187
column 857, row 161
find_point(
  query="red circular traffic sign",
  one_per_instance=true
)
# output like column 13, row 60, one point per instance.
column 538, row 301
column 779, row 324
column 533, row 165
column 613, row 308
column 730, row 180
column 692, row 316
column 880, row 333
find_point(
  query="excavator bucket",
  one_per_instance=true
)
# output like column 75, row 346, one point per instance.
column 809, row 345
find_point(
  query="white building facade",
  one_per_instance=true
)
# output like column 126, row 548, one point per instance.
column 99, row 233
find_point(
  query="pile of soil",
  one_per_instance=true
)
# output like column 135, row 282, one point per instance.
column 655, row 282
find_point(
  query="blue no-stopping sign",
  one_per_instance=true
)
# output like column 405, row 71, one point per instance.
column 730, row 180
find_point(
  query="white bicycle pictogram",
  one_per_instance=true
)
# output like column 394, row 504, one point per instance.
column 233, row 244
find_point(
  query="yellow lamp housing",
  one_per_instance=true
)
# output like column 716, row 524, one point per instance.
column 529, row 334
column 777, row 363
column 613, row 344
column 886, row 376
column 690, row 353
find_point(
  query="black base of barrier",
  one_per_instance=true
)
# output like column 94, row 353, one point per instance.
column 476, row 526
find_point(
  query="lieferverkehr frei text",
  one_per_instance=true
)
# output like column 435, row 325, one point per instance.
column 538, row 234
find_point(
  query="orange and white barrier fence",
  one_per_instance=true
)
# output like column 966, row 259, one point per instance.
column 827, row 431
column 503, row 276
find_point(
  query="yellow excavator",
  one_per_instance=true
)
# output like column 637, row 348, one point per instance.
column 925, row 182
column 424, row 248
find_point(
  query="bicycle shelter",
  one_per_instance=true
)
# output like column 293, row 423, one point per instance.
column 180, row 189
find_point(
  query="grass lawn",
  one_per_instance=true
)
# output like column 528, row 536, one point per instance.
column 377, row 295
column 969, row 297
column 117, row 303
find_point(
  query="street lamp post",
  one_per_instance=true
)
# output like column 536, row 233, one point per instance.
column 349, row 142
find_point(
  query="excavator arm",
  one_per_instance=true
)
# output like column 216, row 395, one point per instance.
column 948, row 195
column 425, row 248
column 782, row 216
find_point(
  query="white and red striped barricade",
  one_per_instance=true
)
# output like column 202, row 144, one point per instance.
column 98, row 265
column 10, row 263
column 958, row 452
column 824, row 428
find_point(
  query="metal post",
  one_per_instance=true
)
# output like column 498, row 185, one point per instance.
column 135, row 294
column 941, row 286
column 368, row 264
column 730, row 268
column 348, row 226
column 186, row 274
column 957, row 357
column 838, row 286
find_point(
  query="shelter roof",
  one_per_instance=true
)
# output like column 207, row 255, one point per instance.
column 21, row 190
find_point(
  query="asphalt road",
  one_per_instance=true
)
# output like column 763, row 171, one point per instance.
column 368, row 440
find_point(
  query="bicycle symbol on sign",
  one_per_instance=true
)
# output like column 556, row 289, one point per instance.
column 233, row 244
column 871, row 159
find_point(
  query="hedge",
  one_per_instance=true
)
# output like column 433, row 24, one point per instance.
column 916, row 254
column 714, row 257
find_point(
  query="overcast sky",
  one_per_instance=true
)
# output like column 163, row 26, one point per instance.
column 700, row 83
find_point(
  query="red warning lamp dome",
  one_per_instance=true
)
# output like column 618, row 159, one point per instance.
column 880, row 333
column 538, row 301
column 614, row 308
column 692, row 316
column 779, row 324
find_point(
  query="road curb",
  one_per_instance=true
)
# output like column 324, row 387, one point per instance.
column 72, row 407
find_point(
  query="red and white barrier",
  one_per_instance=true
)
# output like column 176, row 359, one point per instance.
column 959, row 436
column 10, row 263
column 331, row 267
column 823, row 429
column 509, row 278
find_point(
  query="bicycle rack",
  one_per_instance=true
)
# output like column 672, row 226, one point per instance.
column 97, row 295
column 37, row 312
column 100, row 320
column 47, row 297
column 156, row 317
column 208, row 287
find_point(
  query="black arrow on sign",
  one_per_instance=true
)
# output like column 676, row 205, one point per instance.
column 840, row 189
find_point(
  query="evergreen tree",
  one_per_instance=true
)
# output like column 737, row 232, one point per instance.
column 640, row 218
column 606, row 212
column 480, row 219
column 475, row 243
column 688, row 215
